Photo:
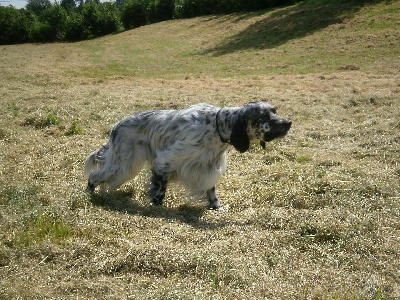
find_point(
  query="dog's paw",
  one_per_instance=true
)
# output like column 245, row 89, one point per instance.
column 219, row 209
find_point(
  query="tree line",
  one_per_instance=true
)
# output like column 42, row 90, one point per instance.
column 70, row 20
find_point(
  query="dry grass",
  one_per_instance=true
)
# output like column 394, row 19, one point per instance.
column 316, row 216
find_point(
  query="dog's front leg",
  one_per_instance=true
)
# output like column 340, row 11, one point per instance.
column 158, row 186
column 213, row 200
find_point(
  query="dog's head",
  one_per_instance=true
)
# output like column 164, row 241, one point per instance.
column 257, row 121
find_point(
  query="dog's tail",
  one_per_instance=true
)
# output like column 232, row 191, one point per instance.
column 96, row 160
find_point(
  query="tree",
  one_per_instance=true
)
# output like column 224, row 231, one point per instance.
column 68, row 4
column 75, row 27
column 120, row 3
column 108, row 18
column 38, row 6
column 164, row 10
column 134, row 14
column 15, row 25
column 52, row 25
column 100, row 19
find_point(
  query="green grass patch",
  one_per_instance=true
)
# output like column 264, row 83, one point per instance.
column 15, row 111
column 42, row 227
column 74, row 129
column 40, row 122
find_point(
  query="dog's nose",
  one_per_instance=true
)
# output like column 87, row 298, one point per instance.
column 288, row 124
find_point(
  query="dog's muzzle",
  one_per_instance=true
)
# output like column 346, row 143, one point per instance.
column 279, row 128
column 283, row 126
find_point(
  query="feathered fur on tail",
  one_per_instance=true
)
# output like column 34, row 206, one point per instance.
column 96, row 160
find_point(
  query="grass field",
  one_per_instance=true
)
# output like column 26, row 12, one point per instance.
column 315, row 216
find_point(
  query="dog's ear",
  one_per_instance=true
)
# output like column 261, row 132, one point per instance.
column 239, row 138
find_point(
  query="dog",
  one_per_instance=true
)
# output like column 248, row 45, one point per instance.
column 188, row 145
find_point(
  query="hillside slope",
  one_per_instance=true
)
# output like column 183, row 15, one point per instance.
column 299, row 39
column 295, row 39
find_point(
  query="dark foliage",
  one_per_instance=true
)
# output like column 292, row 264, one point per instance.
column 100, row 19
column 42, row 22
column 135, row 13
column 38, row 6
column 16, row 25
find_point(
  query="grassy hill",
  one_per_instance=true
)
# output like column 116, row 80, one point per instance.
column 315, row 216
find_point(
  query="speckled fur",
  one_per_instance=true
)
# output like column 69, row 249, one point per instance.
column 189, row 145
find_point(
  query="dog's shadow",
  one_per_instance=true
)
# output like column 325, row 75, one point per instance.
column 122, row 201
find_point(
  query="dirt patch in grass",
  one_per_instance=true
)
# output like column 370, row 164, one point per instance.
column 315, row 215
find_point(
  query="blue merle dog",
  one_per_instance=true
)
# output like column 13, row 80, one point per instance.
column 189, row 145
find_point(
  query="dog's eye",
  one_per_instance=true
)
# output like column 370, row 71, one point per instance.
column 264, row 117
column 273, row 110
